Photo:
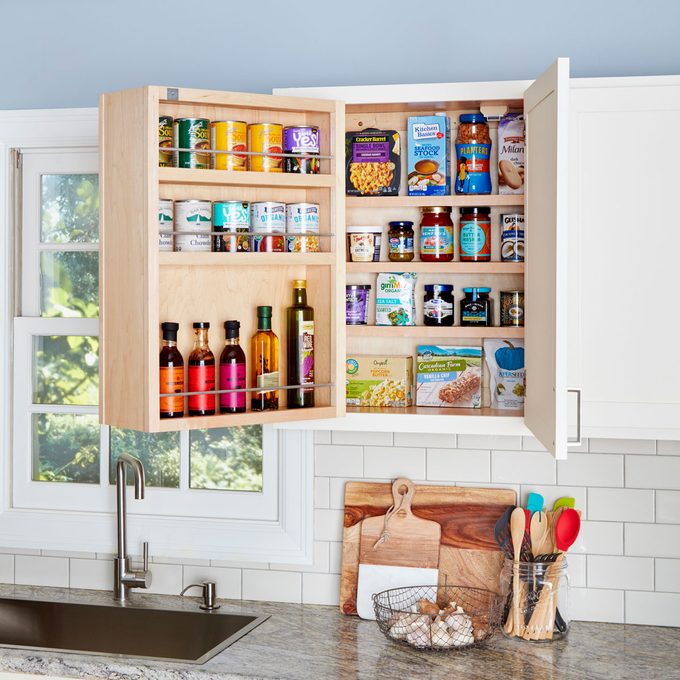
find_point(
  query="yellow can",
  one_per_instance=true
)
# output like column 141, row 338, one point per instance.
column 265, row 138
column 228, row 135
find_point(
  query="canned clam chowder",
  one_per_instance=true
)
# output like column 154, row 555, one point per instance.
column 194, row 218
column 165, row 222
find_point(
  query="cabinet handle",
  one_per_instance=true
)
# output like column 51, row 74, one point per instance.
column 577, row 439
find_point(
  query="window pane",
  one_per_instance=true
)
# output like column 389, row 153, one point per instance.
column 65, row 448
column 69, row 284
column 66, row 370
column 227, row 458
column 70, row 209
column 159, row 454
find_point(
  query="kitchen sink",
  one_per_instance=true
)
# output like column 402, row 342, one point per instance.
column 129, row 631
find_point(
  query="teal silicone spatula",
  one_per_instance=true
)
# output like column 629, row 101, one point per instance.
column 534, row 502
column 564, row 502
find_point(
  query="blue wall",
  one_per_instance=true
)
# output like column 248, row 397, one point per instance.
column 57, row 53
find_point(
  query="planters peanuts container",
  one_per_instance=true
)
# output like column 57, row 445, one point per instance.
column 473, row 151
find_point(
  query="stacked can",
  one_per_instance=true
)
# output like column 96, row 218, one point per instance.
column 165, row 158
column 302, row 218
column 192, row 134
column 268, row 217
column 228, row 135
column 165, row 224
column 303, row 141
column 265, row 139
column 232, row 218
column 193, row 224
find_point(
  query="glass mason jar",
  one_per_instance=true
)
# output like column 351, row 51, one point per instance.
column 537, row 600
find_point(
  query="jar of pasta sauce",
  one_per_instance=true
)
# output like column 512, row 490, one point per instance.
column 436, row 235
column 475, row 235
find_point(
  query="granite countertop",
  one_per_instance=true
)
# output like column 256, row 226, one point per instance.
column 301, row 642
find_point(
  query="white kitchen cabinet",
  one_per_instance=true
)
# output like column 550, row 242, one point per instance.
column 624, row 255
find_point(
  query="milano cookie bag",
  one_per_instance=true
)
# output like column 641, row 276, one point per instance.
column 511, row 146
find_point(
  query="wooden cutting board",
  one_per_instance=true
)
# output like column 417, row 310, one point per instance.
column 468, row 553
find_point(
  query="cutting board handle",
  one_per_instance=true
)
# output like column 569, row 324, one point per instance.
column 403, row 490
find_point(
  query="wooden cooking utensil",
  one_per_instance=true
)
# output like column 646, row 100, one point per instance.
column 517, row 531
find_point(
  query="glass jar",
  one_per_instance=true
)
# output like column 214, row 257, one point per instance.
column 537, row 603
column 438, row 308
column 476, row 308
column 474, row 234
column 473, row 151
column 436, row 235
column 400, row 241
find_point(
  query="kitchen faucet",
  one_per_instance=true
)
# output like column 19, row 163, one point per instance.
column 123, row 577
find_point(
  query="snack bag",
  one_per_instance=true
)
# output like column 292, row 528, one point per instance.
column 507, row 374
column 373, row 160
column 395, row 303
column 511, row 148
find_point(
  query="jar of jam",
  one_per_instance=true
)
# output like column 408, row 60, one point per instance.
column 476, row 308
column 438, row 308
column 400, row 241
column 474, row 233
column 473, row 151
column 436, row 235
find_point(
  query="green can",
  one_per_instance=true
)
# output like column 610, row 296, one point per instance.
column 165, row 157
column 191, row 133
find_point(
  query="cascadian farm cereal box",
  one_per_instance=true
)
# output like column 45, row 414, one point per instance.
column 379, row 380
column 449, row 377
column 428, row 163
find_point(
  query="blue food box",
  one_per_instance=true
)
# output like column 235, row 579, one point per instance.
column 428, row 163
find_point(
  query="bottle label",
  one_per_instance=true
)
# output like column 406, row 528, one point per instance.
column 400, row 245
column 436, row 240
column 473, row 239
column 437, row 309
column 232, row 377
column 202, row 378
column 474, row 313
column 172, row 380
column 268, row 380
column 307, row 355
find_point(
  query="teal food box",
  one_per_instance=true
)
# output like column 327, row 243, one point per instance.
column 429, row 172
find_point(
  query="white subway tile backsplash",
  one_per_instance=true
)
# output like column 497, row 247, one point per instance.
column 69, row 553
column 621, row 505
column 667, row 575
column 91, row 574
column 394, row 461
column 552, row 493
column 668, row 448
column 485, row 441
column 642, row 446
column 322, row 492
column 576, row 566
column 230, row 564
column 227, row 581
column 599, row 538
column 657, row 609
column 660, row 472
column 472, row 465
column 591, row 604
column 522, row 467
column 653, row 540
column 31, row 570
column 591, row 469
column 19, row 551
column 328, row 525
column 6, row 568
column 335, row 565
column 272, row 586
column 338, row 461
column 321, row 552
column 321, row 589
column 668, row 507
column 532, row 444
column 182, row 561
column 430, row 440
column 620, row 573
column 362, row 438
column 166, row 579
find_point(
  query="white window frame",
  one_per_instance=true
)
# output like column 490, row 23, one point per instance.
column 275, row 526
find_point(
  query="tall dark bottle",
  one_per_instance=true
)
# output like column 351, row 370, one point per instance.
column 300, row 343
column 232, row 371
column 201, row 373
column 171, row 372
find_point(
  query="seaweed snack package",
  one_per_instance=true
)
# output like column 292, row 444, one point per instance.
column 505, row 361
column 373, row 162
column 511, row 148
column 449, row 377
column 395, row 299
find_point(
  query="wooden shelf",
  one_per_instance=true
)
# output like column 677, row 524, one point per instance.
column 436, row 411
column 437, row 267
column 189, row 176
column 491, row 200
column 434, row 332
column 245, row 259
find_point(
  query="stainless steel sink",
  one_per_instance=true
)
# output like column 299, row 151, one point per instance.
column 170, row 635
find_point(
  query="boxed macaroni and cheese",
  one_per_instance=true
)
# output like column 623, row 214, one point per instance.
column 379, row 380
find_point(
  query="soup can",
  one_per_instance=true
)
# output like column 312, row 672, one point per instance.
column 191, row 133
column 512, row 238
column 512, row 308
column 265, row 138
column 232, row 218
column 165, row 158
column 194, row 219
column 165, row 225
column 268, row 217
column 228, row 135
column 303, row 141
column 302, row 218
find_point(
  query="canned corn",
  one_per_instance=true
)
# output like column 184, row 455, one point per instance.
column 228, row 135
column 265, row 138
column 165, row 222
column 302, row 218
column 165, row 158
column 191, row 133
column 195, row 219
column 232, row 218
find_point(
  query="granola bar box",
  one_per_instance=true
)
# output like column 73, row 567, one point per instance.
column 373, row 160
column 449, row 377
column 380, row 381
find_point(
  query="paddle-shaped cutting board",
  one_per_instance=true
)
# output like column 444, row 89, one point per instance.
column 396, row 549
column 468, row 552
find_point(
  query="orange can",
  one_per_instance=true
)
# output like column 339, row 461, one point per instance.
column 228, row 135
column 265, row 138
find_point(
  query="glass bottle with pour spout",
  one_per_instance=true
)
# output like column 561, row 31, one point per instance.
column 265, row 358
column 300, row 342
column 201, row 373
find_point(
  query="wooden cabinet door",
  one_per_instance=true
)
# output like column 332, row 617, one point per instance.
column 624, row 250
column 546, row 108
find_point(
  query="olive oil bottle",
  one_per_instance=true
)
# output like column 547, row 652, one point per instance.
column 201, row 373
column 265, row 357
column 232, row 371
column 171, row 372
column 300, row 342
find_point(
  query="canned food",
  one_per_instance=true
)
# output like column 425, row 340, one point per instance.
column 512, row 238
column 228, row 135
column 302, row 140
column 302, row 218
column 265, row 138
column 165, row 222
column 165, row 158
column 191, row 133
column 268, row 217
column 232, row 218
column 512, row 308
column 195, row 219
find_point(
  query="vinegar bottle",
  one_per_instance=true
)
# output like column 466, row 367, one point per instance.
column 171, row 372
column 265, row 358
column 300, row 341
column 201, row 373
column 232, row 371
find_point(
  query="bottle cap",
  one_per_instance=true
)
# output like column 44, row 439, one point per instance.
column 400, row 223
column 232, row 329
column 436, row 209
column 170, row 329
column 300, row 283
column 264, row 311
column 438, row 288
column 472, row 118
column 201, row 324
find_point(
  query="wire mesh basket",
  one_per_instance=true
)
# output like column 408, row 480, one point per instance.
column 438, row 618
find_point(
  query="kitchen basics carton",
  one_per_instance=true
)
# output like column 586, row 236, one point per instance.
column 428, row 160
column 449, row 377
column 379, row 380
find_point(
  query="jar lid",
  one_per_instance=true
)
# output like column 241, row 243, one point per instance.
column 472, row 118
column 363, row 286
column 436, row 209
column 201, row 324
column 361, row 230
column 400, row 223
column 476, row 290
column 475, row 211
column 438, row 288
column 512, row 292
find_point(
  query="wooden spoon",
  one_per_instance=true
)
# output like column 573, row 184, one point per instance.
column 540, row 533
column 517, row 530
